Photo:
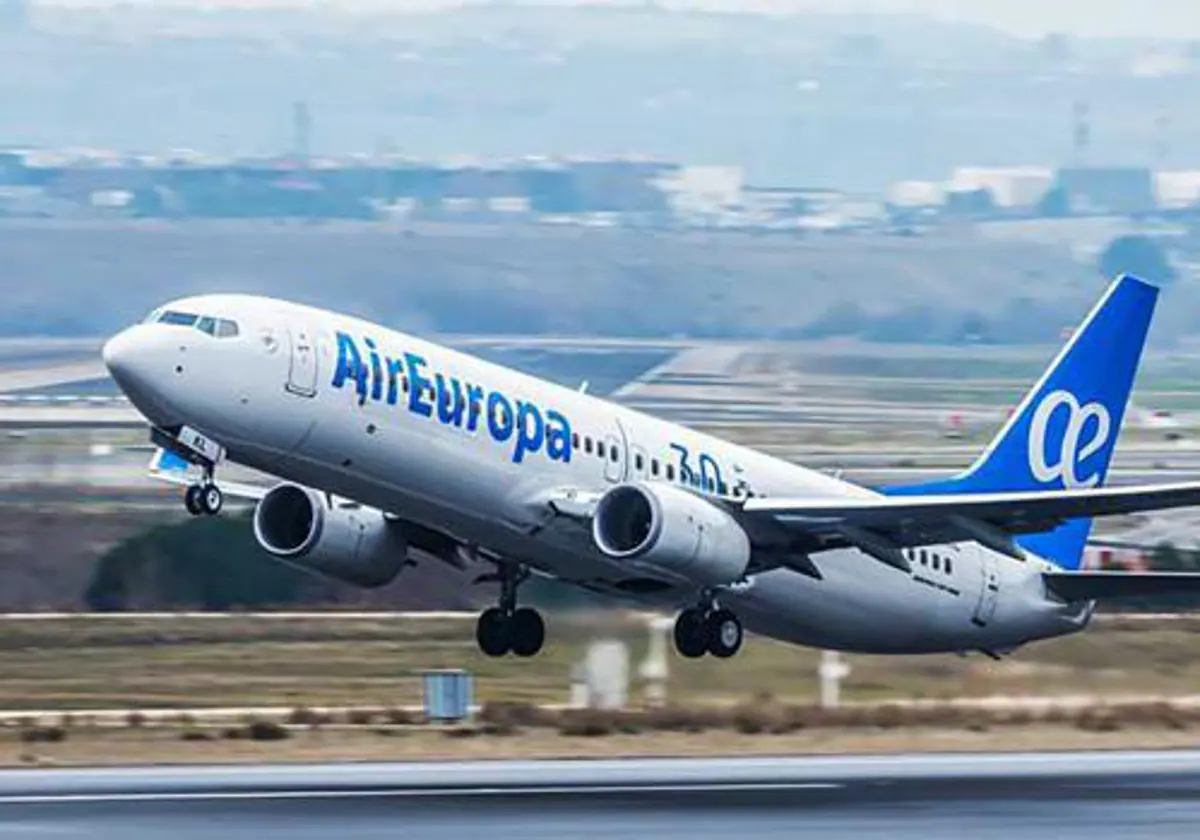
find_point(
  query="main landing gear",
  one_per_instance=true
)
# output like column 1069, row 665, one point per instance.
column 505, row 628
column 708, row 629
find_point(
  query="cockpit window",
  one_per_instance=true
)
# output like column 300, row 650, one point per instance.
column 182, row 319
column 216, row 327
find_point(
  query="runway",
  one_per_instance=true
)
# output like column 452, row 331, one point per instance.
column 1064, row 795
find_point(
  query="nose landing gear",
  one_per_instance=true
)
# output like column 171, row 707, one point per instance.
column 507, row 629
column 186, row 446
column 701, row 630
column 203, row 499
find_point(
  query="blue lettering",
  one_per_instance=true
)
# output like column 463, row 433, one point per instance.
column 710, row 474
column 474, row 406
column 394, row 368
column 531, row 430
column 462, row 405
column 685, row 469
column 500, row 416
column 376, row 372
column 558, row 437
column 417, row 384
column 350, row 366
column 450, row 405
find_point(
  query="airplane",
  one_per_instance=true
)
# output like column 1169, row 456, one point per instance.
column 387, row 447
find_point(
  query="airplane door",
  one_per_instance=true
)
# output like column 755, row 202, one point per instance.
column 302, row 371
column 616, row 456
column 989, row 593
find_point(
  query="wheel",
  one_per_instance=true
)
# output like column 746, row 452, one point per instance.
column 211, row 499
column 691, row 634
column 528, row 632
column 493, row 632
column 192, row 500
column 725, row 634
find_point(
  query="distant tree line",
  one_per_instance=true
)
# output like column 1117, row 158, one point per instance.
column 216, row 565
column 203, row 564
column 1138, row 255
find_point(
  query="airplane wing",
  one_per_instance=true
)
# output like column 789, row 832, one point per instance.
column 895, row 522
column 1091, row 586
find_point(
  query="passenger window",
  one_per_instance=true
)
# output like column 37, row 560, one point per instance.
column 949, row 568
column 612, row 454
column 924, row 558
column 207, row 325
column 227, row 329
column 654, row 467
column 600, row 448
column 180, row 319
column 575, row 441
column 670, row 472
column 587, row 445
column 639, row 463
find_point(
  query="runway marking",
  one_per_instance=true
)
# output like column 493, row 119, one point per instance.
column 419, row 793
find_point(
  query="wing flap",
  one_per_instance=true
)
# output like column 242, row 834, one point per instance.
column 1093, row 586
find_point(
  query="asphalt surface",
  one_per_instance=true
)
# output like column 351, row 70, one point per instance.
column 1063, row 795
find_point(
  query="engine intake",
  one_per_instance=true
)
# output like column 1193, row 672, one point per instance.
column 673, row 530
column 346, row 542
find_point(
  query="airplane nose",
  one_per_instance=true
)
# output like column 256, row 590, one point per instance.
column 120, row 356
column 134, row 360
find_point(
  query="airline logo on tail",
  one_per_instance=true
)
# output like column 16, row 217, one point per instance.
column 1063, row 433
column 1073, row 448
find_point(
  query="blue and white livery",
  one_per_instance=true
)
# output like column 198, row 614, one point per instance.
column 391, row 449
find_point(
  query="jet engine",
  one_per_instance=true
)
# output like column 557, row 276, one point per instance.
column 673, row 530
column 344, row 541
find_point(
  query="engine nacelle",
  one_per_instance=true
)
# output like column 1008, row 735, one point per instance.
column 345, row 542
column 673, row 530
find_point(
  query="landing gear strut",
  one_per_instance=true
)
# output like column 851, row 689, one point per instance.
column 505, row 628
column 708, row 629
column 203, row 498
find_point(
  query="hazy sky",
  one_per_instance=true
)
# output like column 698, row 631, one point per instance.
column 1102, row 18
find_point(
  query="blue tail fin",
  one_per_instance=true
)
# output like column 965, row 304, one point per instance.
column 1063, row 432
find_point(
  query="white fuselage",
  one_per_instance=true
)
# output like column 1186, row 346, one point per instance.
column 480, row 466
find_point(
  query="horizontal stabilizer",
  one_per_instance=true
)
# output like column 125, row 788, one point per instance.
column 1089, row 586
column 922, row 520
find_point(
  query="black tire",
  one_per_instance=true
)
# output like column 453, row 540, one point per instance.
column 212, row 499
column 725, row 634
column 691, row 634
column 528, row 632
column 493, row 632
column 192, row 500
